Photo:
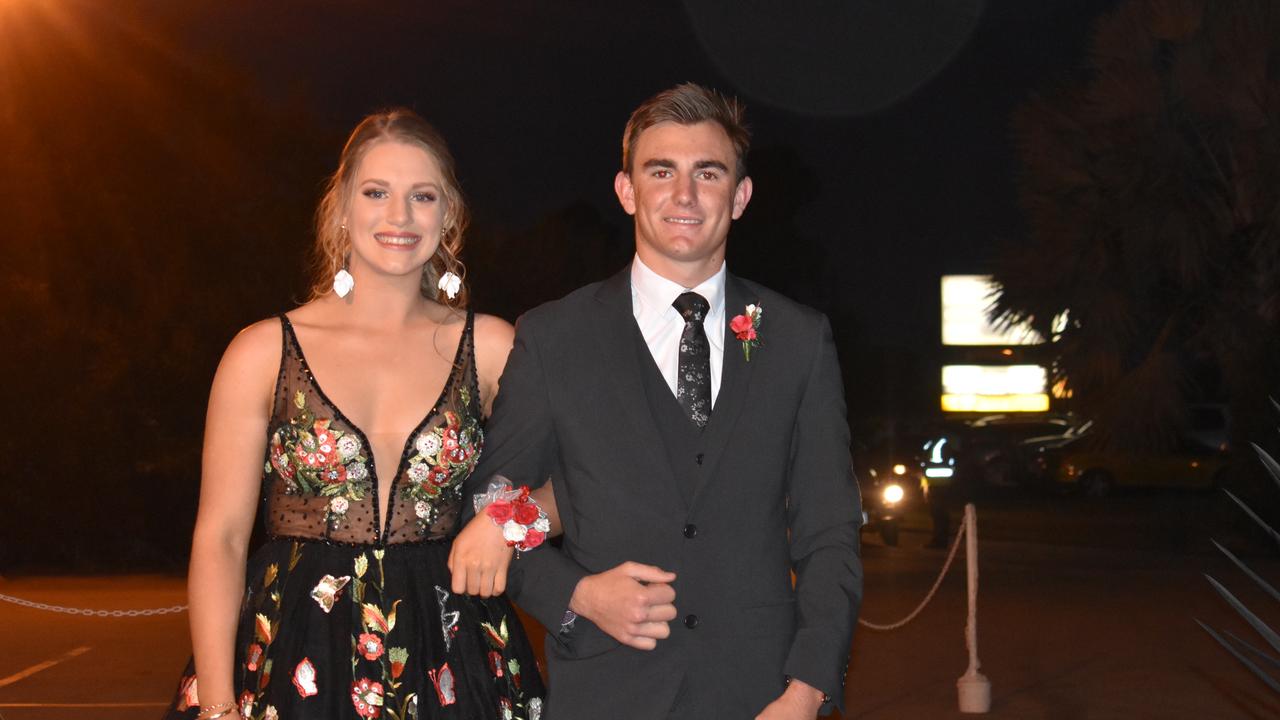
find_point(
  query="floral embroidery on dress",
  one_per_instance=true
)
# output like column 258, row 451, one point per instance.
column 188, row 694
column 314, row 458
column 497, row 637
column 304, row 678
column 369, row 696
column 448, row 618
column 366, row 695
column 266, row 626
column 326, row 592
column 443, row 457
column 443, row 681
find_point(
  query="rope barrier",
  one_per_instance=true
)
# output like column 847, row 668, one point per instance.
column 150, row 612
column 951, row 556
column 88, row 612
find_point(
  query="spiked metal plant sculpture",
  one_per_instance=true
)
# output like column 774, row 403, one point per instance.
column 1253, row 657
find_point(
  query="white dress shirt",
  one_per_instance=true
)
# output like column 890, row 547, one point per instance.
column 661, row 324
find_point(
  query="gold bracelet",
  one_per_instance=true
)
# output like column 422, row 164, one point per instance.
column 222, row 709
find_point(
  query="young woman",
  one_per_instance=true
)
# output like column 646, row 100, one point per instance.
column 355, row 420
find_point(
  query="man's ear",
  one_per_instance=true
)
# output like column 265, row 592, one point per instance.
column 626, row 191
column 741, row 196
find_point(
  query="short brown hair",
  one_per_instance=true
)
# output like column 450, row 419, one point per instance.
column 689, row 104
column 332, row 241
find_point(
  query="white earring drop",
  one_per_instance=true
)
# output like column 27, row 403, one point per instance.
column 450, row 283
column 343, row 282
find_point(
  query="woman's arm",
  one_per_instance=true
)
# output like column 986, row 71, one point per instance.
column 230, row 481
column 493, row 338
column 480, row 556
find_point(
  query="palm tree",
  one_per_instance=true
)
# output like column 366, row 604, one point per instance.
column 1151, row 185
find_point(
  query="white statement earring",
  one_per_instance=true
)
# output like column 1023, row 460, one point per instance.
column 450, row 283
column 342, row 280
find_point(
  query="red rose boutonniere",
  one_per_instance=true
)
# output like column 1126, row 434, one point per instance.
column 747, row 328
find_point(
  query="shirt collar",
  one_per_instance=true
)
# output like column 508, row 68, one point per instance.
column 653, row 294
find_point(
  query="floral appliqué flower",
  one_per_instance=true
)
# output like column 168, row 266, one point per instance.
column 366, row 695
column 370, row 646
column 746, row 328
column 314, row 458
column 442, row 457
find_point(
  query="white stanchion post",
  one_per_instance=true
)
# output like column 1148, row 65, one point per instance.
column 973, row 687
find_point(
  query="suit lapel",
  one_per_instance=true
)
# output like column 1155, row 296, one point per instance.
column 616, row 327
column 734, row 380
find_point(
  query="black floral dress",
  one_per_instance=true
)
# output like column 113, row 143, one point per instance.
column 349, row 615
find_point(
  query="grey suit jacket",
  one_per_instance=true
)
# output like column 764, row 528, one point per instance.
column 773, row 495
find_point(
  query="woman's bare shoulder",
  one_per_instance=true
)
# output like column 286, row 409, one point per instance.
column 255, row 350
column 494, row 337
column 491, row 329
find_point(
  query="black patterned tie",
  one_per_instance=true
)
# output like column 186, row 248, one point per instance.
column 693, row 376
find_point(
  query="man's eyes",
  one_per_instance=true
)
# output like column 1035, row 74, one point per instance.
column 700, row 174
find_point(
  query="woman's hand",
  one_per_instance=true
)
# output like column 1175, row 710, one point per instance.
column 480, row 558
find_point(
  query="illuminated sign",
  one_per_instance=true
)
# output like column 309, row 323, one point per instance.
column 994, row 388
column 965, row 302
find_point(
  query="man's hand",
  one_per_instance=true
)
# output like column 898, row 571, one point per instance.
column 799, row 702
column 632, row 603
column 479, row 558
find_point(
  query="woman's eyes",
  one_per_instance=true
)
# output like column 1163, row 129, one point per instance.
column 381, row 194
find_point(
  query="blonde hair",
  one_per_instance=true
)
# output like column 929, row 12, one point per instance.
column 333, row 243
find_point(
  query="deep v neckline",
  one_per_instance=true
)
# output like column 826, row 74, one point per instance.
column 381, row 524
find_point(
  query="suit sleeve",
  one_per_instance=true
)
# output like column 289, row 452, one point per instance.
column 824, row 513
column 521, row 445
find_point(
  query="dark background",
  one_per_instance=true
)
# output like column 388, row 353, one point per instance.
column 161, row 162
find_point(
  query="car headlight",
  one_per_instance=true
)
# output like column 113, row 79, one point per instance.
column 892, row 494
column 899, row 469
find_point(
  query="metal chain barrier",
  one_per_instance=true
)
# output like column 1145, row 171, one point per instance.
column 951, row 556
column 148, row 612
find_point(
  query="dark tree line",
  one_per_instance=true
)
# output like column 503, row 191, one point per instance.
column 1151, row 183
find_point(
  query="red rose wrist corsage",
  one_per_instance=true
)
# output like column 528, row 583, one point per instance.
column 524, row 524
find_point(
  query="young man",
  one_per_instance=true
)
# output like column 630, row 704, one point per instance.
column 694, row 426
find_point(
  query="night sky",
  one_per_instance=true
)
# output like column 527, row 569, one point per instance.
column 533, row 97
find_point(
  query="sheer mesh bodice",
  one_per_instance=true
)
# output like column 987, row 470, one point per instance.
column 320, row 481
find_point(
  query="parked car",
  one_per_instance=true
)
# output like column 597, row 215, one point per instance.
column 984, row 452
column 1035, row 456
column 1079, row 464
